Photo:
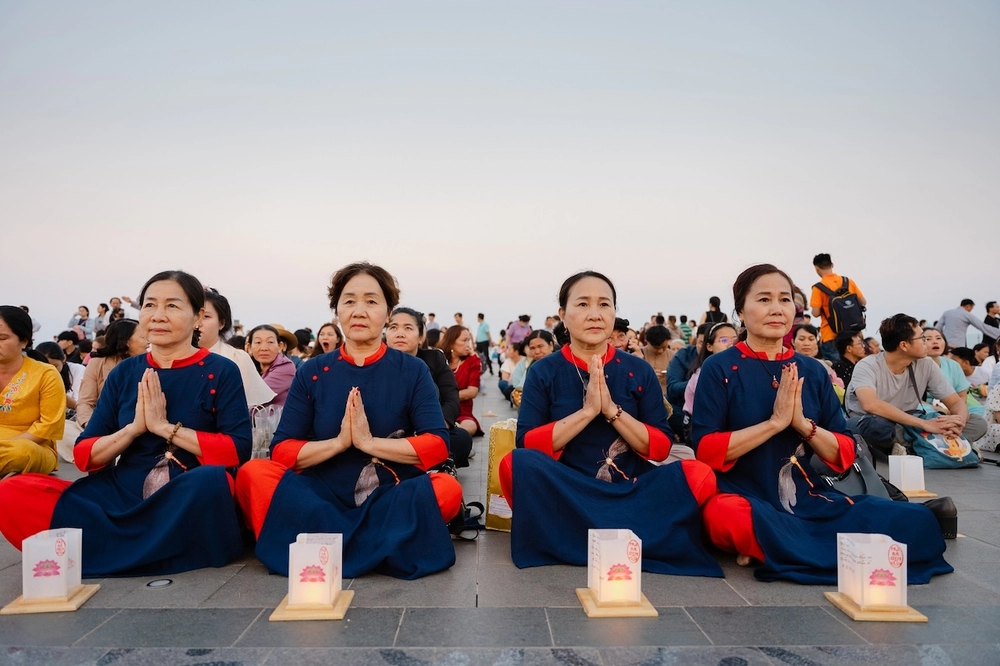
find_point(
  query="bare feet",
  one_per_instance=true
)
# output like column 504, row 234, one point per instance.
column 743, row 560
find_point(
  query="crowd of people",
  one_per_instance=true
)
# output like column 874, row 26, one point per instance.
column 694, row 435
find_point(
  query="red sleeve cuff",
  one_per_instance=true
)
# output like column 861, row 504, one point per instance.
column 659, row 444
column 845, row 457
column 540, row 439
column 217, row 449
column 431, row 450
column 287, row 452
column 81, row 455
column 712, row 451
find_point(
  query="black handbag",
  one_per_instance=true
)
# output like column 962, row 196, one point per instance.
column 859, row 479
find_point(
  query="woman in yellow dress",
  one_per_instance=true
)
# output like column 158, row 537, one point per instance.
column 32, row 401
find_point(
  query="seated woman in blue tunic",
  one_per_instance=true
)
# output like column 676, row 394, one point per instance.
column 168, row 423
column 592, row 418
column 361, row 427
column 760, row 411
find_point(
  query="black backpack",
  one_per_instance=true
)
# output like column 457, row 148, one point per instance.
column 843, row 312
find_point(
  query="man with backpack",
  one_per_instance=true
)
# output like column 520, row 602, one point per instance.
column 838, row 301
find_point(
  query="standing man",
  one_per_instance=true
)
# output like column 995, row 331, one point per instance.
column 992, row 310
column 431, row 324
column 831, row 300
column 458, row 319
column 955, row 322
column 483, row 341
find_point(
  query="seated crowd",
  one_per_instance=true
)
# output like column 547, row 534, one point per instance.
column 377, row 412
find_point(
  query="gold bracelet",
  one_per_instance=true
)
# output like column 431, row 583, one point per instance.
column 170, row 440
column 615, row 417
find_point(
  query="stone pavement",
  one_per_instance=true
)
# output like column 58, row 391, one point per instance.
column 486, row 611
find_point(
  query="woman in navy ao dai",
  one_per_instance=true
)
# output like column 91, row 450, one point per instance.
column 591, row 423
column 158, row 498
column 361, row 427
column 760, row 412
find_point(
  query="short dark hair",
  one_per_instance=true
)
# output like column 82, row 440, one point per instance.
column 823, row 261
column 657, row 335
column 703, row 329
column 524, row 318
column 560, row 333
column 69, row 335
column 304, row 337
column 539, row 333
column 417, row 317
column 808, row 328
column 715, row 302
column 965, row 354
column 388, row 284
column 745, row 280
column 458, row 314
column 481, row 316
column 989, row 305
column 660, row 321
column 573, row 279
column 684, row 319
column 967, row 301
column 896, row 329
column 19, row 322
column 86, row 346
column 116, row 337
column 222, row 309
column 431, row 314
column 844, row 340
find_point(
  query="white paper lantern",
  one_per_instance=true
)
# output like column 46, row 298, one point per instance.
column 315, row 580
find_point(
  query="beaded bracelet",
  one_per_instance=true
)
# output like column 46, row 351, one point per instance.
column 616, row 416
column 812, row 433
column 170, row 440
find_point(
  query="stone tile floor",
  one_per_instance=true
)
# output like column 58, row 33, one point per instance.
column 486, row 611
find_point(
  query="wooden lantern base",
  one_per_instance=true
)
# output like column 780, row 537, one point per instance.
column 919, row 494
column 856, row 613
column 335, row 611
column 21, row 606
column 593, row 608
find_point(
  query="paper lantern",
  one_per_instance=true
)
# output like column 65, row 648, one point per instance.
column 315, row 579
column 871, row 579
column 51, row 573
column 614, row 576
column 907, row 474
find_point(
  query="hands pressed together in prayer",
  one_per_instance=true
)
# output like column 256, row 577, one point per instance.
column 788, row 402
column 598, row 399
column 354, row 429
column 151, row 407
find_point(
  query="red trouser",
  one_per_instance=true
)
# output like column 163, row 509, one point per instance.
column 729, row 524
column 258, row 479
column 700, row 479
column 28, row 502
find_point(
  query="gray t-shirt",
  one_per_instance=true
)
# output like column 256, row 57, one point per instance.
column 872, row 372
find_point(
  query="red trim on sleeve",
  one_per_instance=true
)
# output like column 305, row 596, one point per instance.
column 430, row 448
column 287, row 452
column 712, row 451
column 81, row 455
column 659, row 444
column 846, row 453
column 217, row 449
column 540, row 439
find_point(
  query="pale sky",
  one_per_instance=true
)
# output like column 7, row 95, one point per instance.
column 482, row 152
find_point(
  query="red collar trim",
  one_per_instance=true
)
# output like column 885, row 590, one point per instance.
column 181, row 362
column 374, row 358
column 580, row 363
column 783, row 356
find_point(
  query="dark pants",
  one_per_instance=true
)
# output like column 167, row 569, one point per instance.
column 506, row 388
column 878, row 432
column 483, row 349
column 828, row 350
column 461, row 446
